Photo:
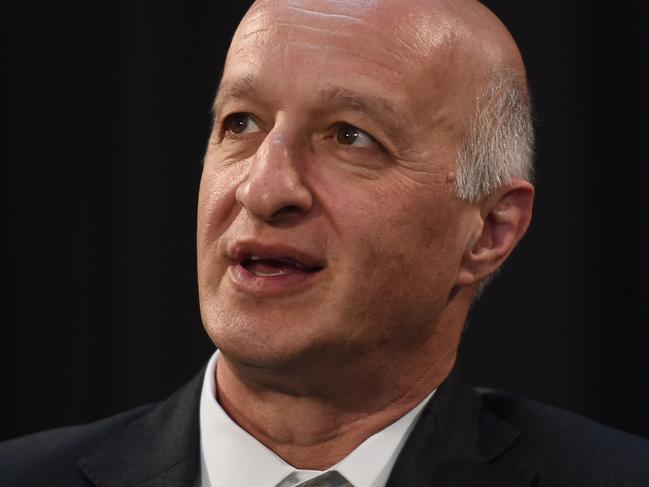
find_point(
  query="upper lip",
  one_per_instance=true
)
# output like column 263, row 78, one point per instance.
column 244, row 250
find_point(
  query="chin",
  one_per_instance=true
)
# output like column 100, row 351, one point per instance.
column 263, row 341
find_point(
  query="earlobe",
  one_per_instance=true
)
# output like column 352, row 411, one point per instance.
column 505, row 216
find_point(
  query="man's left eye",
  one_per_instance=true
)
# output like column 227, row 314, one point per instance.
column 349, row 135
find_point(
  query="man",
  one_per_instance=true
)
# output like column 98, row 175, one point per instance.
column 368, row 170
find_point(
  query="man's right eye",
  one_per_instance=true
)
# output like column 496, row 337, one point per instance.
column 240, row 123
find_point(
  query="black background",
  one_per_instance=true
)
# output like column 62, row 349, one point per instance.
column 105, row 115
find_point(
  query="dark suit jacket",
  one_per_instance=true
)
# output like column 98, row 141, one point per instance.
column 462, row 439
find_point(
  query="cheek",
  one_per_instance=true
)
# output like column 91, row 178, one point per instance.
column 398, row 232
column 422, row 217
column 395, row 212
column 216, row 200
column 217, row 208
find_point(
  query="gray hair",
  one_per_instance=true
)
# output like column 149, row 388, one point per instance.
column 499, row 144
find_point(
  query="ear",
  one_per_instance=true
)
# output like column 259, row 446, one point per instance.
column 504, row 218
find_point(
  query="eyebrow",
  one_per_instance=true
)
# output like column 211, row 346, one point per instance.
column 233, row 89
column 378, row 108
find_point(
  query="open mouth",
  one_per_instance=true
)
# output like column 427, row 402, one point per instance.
column 276, row 267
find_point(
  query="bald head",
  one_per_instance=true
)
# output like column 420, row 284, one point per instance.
column 478, row 40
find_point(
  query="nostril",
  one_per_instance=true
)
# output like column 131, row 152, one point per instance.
column 287, row 210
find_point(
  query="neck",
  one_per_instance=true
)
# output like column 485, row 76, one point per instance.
column 308, row 429
column 312, row 421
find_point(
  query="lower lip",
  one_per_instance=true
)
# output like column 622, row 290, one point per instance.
column 270, row 286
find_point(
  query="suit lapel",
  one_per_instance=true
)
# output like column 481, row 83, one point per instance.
column 161, row 448
column 456, row 442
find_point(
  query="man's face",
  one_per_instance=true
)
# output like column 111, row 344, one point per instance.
column 328, row 223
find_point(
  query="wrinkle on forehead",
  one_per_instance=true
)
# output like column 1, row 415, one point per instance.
column 262, row 35
column 342, row 17
column 389, row 68
column 257, row 12
column 328, row 7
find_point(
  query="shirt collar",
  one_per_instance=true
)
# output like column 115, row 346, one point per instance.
column 231, row 456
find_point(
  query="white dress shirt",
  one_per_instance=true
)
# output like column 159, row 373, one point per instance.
column 231, row 457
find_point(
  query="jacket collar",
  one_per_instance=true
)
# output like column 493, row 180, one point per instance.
column 159, row 448
column 457, row 441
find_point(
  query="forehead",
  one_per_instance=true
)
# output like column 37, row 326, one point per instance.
column 369, row 24
column 364, row 42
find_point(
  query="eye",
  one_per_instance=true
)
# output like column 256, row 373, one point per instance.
column 349, row 135
column 240, row 123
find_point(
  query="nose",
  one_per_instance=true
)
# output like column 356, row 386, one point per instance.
column 273, row 188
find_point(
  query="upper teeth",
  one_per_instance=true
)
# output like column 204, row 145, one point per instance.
column 269, row 274
column 281, row 260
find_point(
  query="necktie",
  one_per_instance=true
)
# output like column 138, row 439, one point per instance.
column 326, row 479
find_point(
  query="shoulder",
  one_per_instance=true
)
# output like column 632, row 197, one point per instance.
column 158, row 440
column 50, row 457
column 566, row 446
